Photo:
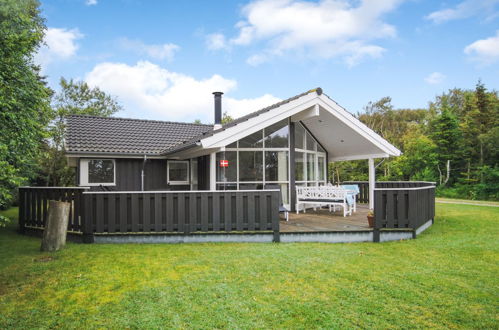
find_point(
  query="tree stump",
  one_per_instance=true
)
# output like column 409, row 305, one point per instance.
column 54, row 235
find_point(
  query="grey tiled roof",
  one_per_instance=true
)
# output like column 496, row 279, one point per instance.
column 111, row 135
column 203, row 135
column 90, row 134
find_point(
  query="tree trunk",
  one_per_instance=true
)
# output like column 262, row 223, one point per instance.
column 439, row 175
column 54, row 235
column 447, row 176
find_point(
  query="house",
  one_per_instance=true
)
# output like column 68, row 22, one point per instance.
column 249, row 153
column 157, row 181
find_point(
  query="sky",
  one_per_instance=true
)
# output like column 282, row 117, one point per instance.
column 163, row 59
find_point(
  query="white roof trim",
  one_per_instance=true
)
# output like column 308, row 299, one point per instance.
column 311, row 100
column 357, row 157
column 259, row 122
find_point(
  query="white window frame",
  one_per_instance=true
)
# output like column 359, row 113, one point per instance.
column 178, row 183
column 84, row 173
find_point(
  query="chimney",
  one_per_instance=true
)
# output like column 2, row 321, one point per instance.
column 218, row 110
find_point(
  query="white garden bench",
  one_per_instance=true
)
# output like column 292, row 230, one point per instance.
column 323, row 196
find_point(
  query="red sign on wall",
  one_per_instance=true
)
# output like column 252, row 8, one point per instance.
column 224, row 163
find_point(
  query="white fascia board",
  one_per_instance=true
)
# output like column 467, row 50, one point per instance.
column 358, row 126
column 310, row 113
column 257, row 123
column 192, row 153
column 357, row 157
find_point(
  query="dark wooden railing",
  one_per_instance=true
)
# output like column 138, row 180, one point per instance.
column 363, row 196
column 33, row 205
column 182, row 212
column 404, row 207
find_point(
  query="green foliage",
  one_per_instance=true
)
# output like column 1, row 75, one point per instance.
column 446, row 278
column 454, row 142
column 24, row 96
column 226, row 118
column 74, row 98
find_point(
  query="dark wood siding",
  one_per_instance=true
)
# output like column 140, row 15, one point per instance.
column 129, row 170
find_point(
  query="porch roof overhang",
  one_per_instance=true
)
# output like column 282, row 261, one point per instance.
column 342, row 135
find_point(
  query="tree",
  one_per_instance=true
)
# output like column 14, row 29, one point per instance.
column 445, row 133
column 226, row 118
column 74, row 98
column 24, row 96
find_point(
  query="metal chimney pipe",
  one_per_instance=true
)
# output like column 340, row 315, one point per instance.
column 218, row 109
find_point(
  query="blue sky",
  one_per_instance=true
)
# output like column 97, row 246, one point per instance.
column 162, row 59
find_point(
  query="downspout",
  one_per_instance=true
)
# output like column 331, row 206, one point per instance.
column 142, row 174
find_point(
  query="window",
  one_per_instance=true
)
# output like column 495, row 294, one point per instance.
column 276, row 166
column 299, row 136
column 310, row 142
column 229, row 173
column 178, row 172
column 276, row 136
column 250, row 166
column 96, row 172
column 310, row 162
column 299, row 166
column 254, row 140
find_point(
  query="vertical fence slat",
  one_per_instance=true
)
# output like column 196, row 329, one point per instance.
column 146, row 212
column 204, row 212
column 251, row 211
column 158, row 212
column 169, row 212
column 228, row 211
column 134, row 212
column 239, row 212
column 216, row 211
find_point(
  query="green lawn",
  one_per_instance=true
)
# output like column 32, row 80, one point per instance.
column 445, row 278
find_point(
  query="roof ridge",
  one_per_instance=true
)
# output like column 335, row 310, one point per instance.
column 145, row 120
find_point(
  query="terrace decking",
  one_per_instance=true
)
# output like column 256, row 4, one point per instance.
column 322, row 220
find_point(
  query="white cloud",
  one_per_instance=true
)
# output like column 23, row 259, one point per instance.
column 158, row 52
column 326, row 29
column 435, row 78
column 150, row 91
column 485, row 51
column 91, row 2
column 216, row 41
column 59, row 44
column 465, row 9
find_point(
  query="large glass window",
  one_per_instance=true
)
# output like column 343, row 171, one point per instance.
column 101, row 171
column 228, row 173
column 254, row 140
column 276, row 166
column 250, row 166
column 310, row 160
column 300, row 166
column 276, row 136
column 311, row 167
column 310, row 142
column 321, row 162
column 299, row 136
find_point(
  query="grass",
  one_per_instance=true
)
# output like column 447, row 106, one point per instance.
column 447, row 278
column 468, row 201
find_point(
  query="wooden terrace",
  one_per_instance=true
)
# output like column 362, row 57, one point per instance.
column 322, row 220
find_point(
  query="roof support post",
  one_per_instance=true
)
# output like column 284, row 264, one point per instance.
column 213, row 171
column 292, row 164
column 372, row 182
